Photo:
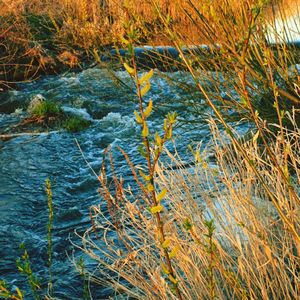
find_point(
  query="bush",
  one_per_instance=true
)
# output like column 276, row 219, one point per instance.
column 231, row 232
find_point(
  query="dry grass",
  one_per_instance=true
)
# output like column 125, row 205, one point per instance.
column 251, row 254
column 83, row 18
column 232, row 223
column 80, row 26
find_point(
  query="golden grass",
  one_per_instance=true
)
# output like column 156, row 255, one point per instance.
column 77, row 27
column 232, row 223
column 104, row 24
column 251, row 255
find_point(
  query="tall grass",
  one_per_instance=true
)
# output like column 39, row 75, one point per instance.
column 231, row 223
column 251, row 253
column 108, row 17
column 47, row 36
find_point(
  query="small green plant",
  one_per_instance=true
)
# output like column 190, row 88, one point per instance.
column 151, row 149
column 211, row 249
column 82, row 272
column 49, row 230
column 24, row 264
column 46, row 109
column 76, row 124
column 152, row 152
column 24, row 267
column 6, row 293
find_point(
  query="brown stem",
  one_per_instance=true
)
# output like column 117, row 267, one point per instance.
column 151, row 169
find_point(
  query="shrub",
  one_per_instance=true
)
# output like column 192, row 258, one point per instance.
column 231, row 231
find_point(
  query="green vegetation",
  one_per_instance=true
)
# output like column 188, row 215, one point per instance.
column 51, row 114
column 153, row 151
column 24, row 263
column 46, row 109
column 76, row 124
column 80, row 266
column 24, row 267
column 49, row 229
column 5, row 292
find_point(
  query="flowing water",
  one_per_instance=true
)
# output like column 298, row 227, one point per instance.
column 26, row 161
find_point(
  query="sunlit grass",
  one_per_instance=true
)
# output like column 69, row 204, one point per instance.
column 232, row 222
column 254, row 254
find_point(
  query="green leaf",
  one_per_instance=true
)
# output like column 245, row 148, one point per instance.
column 244, row 101
column 146, row 77
column 150, row 187
column 172, row 117
column 146, row 88
column 130, row 50
column 145, row 177
column 129, row 69
column 145, row 131
column 229, row 131
column 142, row 150
column 172, row 279
column 124, row 41
column 19, row 293
column 187, row 224
column 252, row 162
column 165, row 124
column 198, row 158
column 255, row 137
column 166, row 243
column 158, row 139
column 174, row 252
column 165, row 269
column 170, row 132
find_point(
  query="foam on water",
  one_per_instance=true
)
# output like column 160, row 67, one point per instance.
column 81, row 112
column 26, row 162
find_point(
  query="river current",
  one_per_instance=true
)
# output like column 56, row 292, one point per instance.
column 27, row 161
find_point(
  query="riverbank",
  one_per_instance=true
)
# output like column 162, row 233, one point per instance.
column 64, row 35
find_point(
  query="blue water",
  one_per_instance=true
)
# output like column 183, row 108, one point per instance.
column 26, row 162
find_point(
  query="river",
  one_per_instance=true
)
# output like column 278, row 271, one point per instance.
column 26, row 162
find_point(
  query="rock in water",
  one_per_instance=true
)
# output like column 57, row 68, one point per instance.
column 35, row 101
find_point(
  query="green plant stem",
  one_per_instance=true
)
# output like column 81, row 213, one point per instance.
column 49, row 229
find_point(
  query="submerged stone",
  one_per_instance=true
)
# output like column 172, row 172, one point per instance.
column 35, row 102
